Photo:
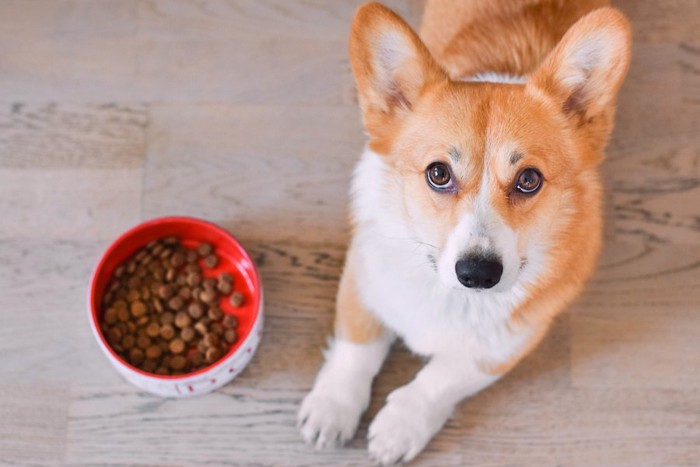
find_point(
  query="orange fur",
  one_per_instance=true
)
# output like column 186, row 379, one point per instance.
column 352, row 320
column 447, row 203
column 506, row 36
column 422, row 114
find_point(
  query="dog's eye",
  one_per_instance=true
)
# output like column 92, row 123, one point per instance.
column 438, row 176
column 529, row 181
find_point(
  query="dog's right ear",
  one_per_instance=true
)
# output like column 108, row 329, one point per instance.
column 392, row 67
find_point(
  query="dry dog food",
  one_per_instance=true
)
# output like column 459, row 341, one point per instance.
column 161, row 308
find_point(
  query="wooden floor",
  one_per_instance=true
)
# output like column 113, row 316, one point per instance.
column 243, row 113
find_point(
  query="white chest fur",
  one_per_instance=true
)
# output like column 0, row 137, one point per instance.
column 399, row 285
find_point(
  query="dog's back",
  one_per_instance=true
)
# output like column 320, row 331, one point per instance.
column 504, row 36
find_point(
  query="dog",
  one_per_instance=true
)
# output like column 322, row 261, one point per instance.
column 476, row 204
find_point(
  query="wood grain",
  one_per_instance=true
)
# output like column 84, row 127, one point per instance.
column 45, row 337
column 34, row 423
column 70, row 171
column 174, row 51
column 654, row 179
column 636, row 325
column 243, row 113
column 223, row 162
column 51, row 136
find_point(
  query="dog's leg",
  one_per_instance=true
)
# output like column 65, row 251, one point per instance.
column 415, row 412
column 330, row 413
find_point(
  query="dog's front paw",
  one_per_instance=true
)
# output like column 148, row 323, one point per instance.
column 326, row 422
column 402, row 428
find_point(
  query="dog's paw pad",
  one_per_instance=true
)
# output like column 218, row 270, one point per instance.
column 396, row 435
column 326, row 423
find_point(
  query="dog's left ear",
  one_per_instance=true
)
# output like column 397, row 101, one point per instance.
column 391, row 65
column 586, row 69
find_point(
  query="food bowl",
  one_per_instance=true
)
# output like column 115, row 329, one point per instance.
column 232, row 258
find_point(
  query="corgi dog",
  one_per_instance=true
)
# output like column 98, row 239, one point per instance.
column 476, row 204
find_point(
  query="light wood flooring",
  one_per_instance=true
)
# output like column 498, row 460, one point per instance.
column 243, row 113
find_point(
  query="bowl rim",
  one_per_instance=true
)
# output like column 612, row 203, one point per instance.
column 94, row 321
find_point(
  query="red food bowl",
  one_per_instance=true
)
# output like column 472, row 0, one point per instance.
column 232, row 258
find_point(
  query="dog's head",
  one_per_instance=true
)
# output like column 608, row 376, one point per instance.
column 492, row 175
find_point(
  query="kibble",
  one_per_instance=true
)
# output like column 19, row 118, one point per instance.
column 187, row 334
column 196, row 359
column 229, row 321
column 196, row 310
column 176, row 303
column 194, row 279
column 182, row 319
column 177, row 260
column 133, row 295
column 123, row 314
column 212, row 355
column 225, row 288
column 215, row 313
column 217, row 329
column 192, row 256
column 185, row 293
column 167, row 318
column 114, row 336
column 153, row 329
column 208, row 296
column 110, row 316
column 230, row 336
column 209, row 283
column 211, row 340
column 201, row 328
column 178, row 362
column 205, row 249
column 226, row 277
column 136, row 356
column 138, row 309
column 177, row 346
column 211, row 261
column 161, row 308
column 237, row 299
column 128, row 342
column 153, row 352
column 143, row 342
column 165, row 291
column 167, row 332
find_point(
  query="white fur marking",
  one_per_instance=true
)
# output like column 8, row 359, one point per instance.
column 458, row 328
column 493, row 77
column 331, row 411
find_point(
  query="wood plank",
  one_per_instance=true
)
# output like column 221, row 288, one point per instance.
column 243, row 112
column 654, row 180
column 637, row 324
column 69, row 204
column 34, row 423
column 71, row 171
column 50, row 136
column 252, row 167
column 583, row 427
column 45, row 337
column 184, row 50
column 653, row 22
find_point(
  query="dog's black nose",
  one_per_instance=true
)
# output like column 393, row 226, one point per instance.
column 477, row 272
